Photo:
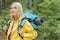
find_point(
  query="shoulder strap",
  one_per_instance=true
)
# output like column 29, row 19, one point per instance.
column 8, row 24
column 22, row 23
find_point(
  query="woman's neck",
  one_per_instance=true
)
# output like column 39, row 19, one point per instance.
column 16, row 18
column 19, row 16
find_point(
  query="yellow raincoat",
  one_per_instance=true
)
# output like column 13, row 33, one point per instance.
column 28, row 32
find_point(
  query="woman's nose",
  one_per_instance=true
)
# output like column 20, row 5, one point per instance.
column 12, row 10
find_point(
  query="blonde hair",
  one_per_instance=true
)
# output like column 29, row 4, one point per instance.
column 19, row 4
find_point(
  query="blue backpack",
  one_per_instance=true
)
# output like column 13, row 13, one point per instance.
column 29, row 17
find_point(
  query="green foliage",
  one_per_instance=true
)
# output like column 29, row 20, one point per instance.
column 4, row 18
column 50, row 9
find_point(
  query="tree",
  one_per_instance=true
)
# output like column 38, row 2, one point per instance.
column 0, row 7
column 30, row 4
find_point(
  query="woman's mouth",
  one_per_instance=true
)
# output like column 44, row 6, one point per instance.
column 12, row 12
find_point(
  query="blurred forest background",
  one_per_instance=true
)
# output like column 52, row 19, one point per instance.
column 50, row 9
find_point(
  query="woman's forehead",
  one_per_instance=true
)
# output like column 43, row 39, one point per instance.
column 16, row 5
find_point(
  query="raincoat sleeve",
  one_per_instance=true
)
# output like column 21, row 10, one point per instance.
column 30, row 32
column 5, row 33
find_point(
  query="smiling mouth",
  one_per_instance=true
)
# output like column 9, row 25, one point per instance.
column 12, row 12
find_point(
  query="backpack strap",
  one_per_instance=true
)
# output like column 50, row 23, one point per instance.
column 8, row 24
column 22, row 23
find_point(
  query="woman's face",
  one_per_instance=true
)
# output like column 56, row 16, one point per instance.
column 14, row 9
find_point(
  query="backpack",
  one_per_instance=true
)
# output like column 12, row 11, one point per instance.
column 28, row 17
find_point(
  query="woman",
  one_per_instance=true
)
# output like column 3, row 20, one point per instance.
column 26, row 33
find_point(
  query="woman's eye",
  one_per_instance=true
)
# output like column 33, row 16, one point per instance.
column 15, row 8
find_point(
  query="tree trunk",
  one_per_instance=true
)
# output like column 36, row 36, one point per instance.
column 5, row 3
column 30, row 4
column 0, row 7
